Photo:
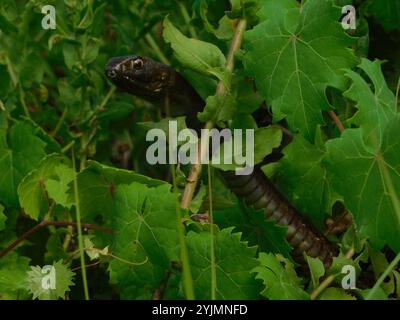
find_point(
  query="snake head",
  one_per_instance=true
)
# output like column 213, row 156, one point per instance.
column 138, row 75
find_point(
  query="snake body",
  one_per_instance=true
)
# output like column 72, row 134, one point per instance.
column 154, row 81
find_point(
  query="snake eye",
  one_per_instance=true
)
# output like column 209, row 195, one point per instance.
column 111, row 73
column 138, row 64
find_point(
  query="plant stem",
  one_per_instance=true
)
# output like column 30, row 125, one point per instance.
column 59, row 123
column 160, row 55
column 79, row 227
column 186, row 17
column 325, row 284
column 22, row 100
column 46, row 223
column 102, row 104
column 396, row 103
column 221, row 90
column 11, row 72
column 212, row 244
column 378, row 283
column 337, row 121
column 68, row 147
column 187, row 279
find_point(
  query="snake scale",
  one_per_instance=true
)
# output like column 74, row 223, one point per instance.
column 154, row 81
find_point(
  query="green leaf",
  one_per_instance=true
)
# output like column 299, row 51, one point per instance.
column 294, row 57
column 375, row 108
column 368, row 178
column 219, row 109
column 272, row 9
column 251, row 223
column 265, row 140
column 200, row 56
column 281, row 281
column 305, row 181
column 51, row 180
column 13, row 269
column 379, row 294
column 40, row 282
column 335, row 294
column 3, row 218
column 6, row 26
column 387, row 12
column 233, row 259
column 32, row 70
column 317, row 270
column 71, row 54
column 21, row 151
column 145, row 230
column 245, row 9
column 97, row 185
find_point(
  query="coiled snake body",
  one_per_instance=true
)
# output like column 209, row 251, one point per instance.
column 154, row 81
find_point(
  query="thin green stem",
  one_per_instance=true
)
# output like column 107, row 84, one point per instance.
column 153, row 44
column 221, row 90
column 325, row 284
column 79, row 228
column 184, row 253
column 68, row 147
column 378, row 283
column 11, row 72
column 60, row 122
column 212, row 243
column 22, row 100
column 102, row 104
column 396, row 103
column 186, row 17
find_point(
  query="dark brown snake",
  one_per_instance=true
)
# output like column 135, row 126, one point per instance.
column 154, row 82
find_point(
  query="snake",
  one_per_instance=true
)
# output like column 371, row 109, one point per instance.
column 155, row 82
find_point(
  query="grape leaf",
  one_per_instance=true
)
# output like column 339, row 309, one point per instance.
column 273, row 8
column 50, row 179
column 281, row 282
column 376, row 108
column 145, row 229
column 13, row 269
column 305, row 181
column 254, row 228
column 97, row 184
column 233, row 259
column 368, row 178
column 20, row 152
column 40, row 283
column 295, row 56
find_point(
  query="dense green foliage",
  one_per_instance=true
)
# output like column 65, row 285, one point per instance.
column 68, row 138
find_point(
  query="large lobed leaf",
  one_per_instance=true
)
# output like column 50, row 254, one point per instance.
column 233, row 262
column 294, row 55
column 369, row 180
column 145, row 230
column 365, row 161
column 21, row 149
column 281, row 282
